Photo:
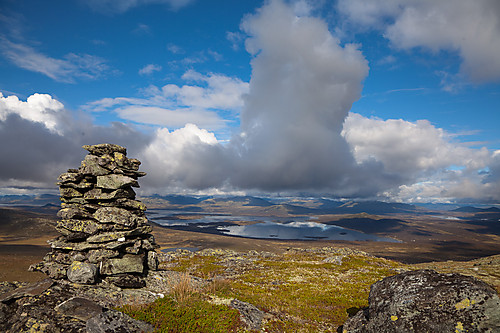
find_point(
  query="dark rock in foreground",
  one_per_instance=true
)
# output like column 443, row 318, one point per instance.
column 426, row 301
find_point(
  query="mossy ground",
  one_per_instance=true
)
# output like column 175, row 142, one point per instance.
column 299, row 290
column 194, row 314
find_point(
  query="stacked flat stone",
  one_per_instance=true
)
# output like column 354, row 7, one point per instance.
column 103, row 230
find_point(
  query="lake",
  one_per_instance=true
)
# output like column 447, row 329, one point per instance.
column 265, row 227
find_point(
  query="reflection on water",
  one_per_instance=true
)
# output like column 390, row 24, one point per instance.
column 296, row 228
column 446, row 217
column 299, row 231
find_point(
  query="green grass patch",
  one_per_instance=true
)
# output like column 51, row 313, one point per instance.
column 192, row 315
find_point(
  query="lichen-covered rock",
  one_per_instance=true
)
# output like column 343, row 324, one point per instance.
column 104, row 148
column 73, row 212
column 116, row 181
column 92, row 166
column 127, row 264
column 79, row 308
column 69, row 177
column 102, row 194
column 69, row 192
column 426, row 301
column 249, row 314
column 82, row 272
column 87, row 227
column 118, row 215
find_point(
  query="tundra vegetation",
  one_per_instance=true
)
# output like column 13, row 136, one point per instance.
column 300, row 290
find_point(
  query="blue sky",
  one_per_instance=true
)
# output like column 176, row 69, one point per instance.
column 394, row 100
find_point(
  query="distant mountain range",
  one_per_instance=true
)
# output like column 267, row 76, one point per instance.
column 34, row 200
column 296, row 206
column 470, row 209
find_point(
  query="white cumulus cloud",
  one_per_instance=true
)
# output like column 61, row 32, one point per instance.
column 470, row 28
column 39, row 108
column 187, row 157
column 41, row 139
column 428, row 162
column 174, row 105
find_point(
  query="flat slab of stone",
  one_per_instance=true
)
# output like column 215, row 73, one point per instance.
column 116, row 181
column 90, row 227
column 101, row 194
column 79, row 308
column 75, row 246
column 104, row 148
column 115, row 235
column 30, row 290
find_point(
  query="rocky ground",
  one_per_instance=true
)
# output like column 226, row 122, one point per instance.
column 298, row 290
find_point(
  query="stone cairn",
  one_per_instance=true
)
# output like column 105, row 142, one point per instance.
column 104, row 236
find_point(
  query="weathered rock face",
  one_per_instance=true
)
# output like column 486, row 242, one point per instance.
column 62, row 307
column 426, row 301
column 103, row 229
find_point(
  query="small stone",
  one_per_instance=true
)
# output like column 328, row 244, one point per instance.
column 73, row 212
column 79, row 201
column 82, row 185
column 153, row 261
column 135, row 248
column 82, row 272
column 69, row 192
column 69, row 177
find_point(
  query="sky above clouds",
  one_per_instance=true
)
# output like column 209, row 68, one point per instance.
column 383, row 99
